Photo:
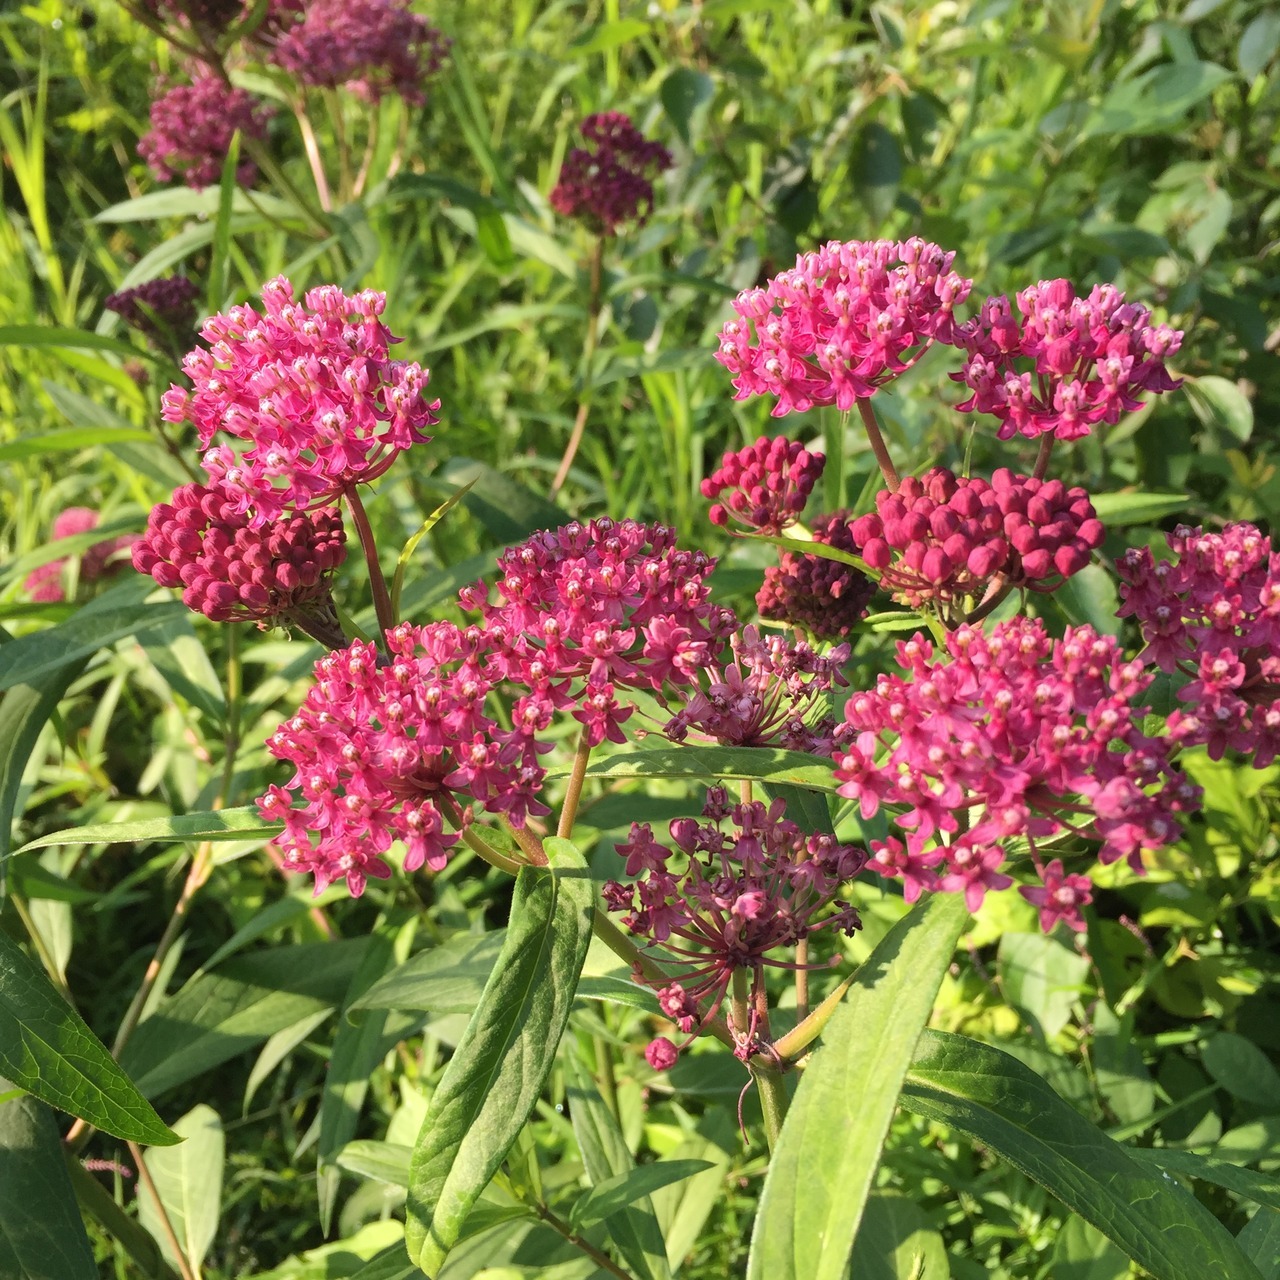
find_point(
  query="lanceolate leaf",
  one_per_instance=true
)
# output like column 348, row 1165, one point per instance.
column 1262, row 1188
column 41, row 1233
column 505, row 1055
column 220, row 824
column 188, row 1180
column 46, row 1049
column 764, row 764
column 840, row 1115
column 1012, row 1111
column 624, row 1189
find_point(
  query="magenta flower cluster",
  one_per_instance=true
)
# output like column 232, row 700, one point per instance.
column 944, row 538
column 371, row 47
column 161, row 309
column 848, row 318
column 192, row 126
column 44, row 583
column 610, row 181
column 227, row 568
column 826, row 597
column 1212, row 614
column 1066, row 363
column 588, row 610
column 768, row 691
column 763, row 486
column 310, row 390
column 726, row 902
column 1032, row 738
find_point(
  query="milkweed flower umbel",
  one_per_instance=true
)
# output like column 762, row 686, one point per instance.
column 311, row 391
column 163, row 308
column 44, row 583
column 763, row 486
column 844, row 321
column 1212, row 614
column 1032, row 738
column 1065, row 363
column 610, row 181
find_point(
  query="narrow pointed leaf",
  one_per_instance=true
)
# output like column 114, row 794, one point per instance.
column 763, row 764
column 220, row 824
column 188, row 1179
column 624, row 1189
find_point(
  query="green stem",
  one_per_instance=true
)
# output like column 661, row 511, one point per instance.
column 604, row 1074
column 878, row 445
column 773, row 1101
column 377, row 583
column 741, row 1018
column 573, row 793
column 802, row 980
column 595, row 267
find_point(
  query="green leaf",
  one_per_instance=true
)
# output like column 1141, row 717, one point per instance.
column 69, row 440
column 1042, row 979
column 839, row 1118
column 876, row 169
column 38, row 335
column 1219, row 402
column 763, row 764
column 1154, row 101
column 46, row 1049
column 608, row 35
column 1261, row 1188
column 1260, row 1239
column 683, row 92
column 894, row 1243
column 411, row 545
column 1242, row 1069
column 449, row 978
column 993, row 1098
column 220, row 253
column 1082, row 1252
column 42, row 1236
column 182, row 202
column 219, row 1015
column 219, row 824
column 507, row 509
column 188, row 1179
column 624, row 1189
column 1258, row 44
column 1137, row 508
column 506, row 1053
column 383, row 1161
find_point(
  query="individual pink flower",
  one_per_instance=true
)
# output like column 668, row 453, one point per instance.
column 610, row 183
column 826, row 597
column 162, row 309
column 229, row 569
column 397, row 751
column 44, row 583
column 1060, row 897
column 1212, row 615
column 847, row 319
column 661, row 1054
column 1026, row 737
column 312, row 392
column 372, row 47
column 192, row 126
column 763, row 486
column 948, row 540
column 1066, row 363
column 744, row 895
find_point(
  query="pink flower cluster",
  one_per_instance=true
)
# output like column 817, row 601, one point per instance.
column 229, row 569
column 945, row 538
column 312, row 392
column 372, row 47
column 846, row 320
column 1067, row 364
column 161, row 309
column 740, row 896
column 612, row 182
column 771, row 691
column 192, row 126
column 826, row 597
column 765, row 485
column 395, row 752
column 586, row 610
column 44, row 583
column 1032, row 738
column 1212, row 613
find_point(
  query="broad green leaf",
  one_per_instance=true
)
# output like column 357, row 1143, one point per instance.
column 608, row 35
column 1042, row 978
column 763, row 764
column 506, row 508
column 1258, row 44
column 895, row 1244
column 1137, row 508
column 383, row 1161
column 1155, row 100
column 839, row 1118
column 46, row 1049
column 219, row 824
column 38, row 335
column 993, row 1098
column 69, row 440
column 1219, row 402
column 1261, row 1188
column 1260, row 1239
column 1242, row 1069
column 685, row 90
column 188, row 1180
column 505, row 1055
column 449, row 978
column 42, row 1236
column 1082, row 1252
column 219, row 1015
column 183, row 202
column 624, row 1189
column 876, row 168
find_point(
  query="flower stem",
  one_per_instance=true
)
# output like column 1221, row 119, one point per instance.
column 773, row 1101
column 1042, row 458
column 878, row 445
column 573, row 793
column 802, row 980
column 312, row 148
column 378, row 584
column 595, row 268
column 601, row 1259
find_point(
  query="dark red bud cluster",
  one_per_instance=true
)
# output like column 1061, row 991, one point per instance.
column 766, row 485
column 826, row 597
column 943, row 537
column 200, row 542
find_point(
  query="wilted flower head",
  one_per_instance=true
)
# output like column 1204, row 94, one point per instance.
column 826, row 597
column 161, row 309
column 312, row 391
column 1033, row 738
column 769, row 691
column 397, row 752
column 1212, row 613
column 372, row 47
column 1066, row 364
column 612, row 182
column 192, row 126
column 946, row 539
column 44, row 583
column 729, row 900
column 847, row 319
column 229, row 569
column 765, row 485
